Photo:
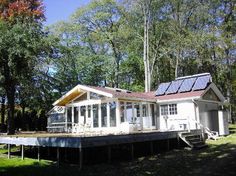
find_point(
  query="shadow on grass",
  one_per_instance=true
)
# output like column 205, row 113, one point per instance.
column 214, row 160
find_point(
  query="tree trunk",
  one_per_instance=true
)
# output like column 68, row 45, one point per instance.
column 23, row 121
column 176, row 67
column 11, row 104
column 3, row 113
column 146, row 12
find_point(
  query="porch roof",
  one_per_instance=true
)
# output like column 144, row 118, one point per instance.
column 127, row 94
column 105, row 91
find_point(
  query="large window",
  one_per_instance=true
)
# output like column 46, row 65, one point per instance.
column 145, row 110
column 170, row 109
column 82, row 114
column 122, row 111
column 153, row 114
column 95, row 115
column 104, row 114
column 76, row 115
column 129, row 112
column 112, row 114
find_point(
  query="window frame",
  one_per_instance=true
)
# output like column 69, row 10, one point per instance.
column 169, row 109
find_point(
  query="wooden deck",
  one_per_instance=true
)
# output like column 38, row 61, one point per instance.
column 81, row 140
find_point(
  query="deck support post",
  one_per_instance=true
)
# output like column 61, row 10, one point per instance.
column 178, row 141
column 22, row 152
column 9, row 151
column 48, row 151
column 66, row 154
column 109, row 153
column 151, row 147
column 38, row 153
column 132, row 151
column 80, row 156
column 168, row 145
column 58, row 156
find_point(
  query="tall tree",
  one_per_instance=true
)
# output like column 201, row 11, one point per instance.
column 20, row 25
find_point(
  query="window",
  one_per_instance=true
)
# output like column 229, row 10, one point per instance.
column 122, row 111
column 145, row 110
column 136, row 110
column 95, row 115
column 112, row 114
column 82, row 114
column 76, row 115
column 170, row 109
column 95, row 96
column 164, row 109
column 153, row 114
column 104, row 114
column 129, row 111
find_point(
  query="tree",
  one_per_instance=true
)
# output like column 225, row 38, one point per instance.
column 20, row 45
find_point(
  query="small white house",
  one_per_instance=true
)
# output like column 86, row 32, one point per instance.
column 187, row 103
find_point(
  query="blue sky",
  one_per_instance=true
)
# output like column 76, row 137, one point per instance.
column 57, row 10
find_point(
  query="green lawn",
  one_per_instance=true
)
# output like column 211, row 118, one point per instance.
column 218, row 159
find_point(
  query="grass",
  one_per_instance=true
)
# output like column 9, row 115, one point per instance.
column 218, row 159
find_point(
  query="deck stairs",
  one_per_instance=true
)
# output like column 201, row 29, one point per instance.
column 193, row 139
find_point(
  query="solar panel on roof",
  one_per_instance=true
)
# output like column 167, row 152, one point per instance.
column 162, row 88
column 174, row 87
column 201, row 82
column 187, row 85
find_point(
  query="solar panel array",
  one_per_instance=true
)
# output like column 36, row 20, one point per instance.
column 184, row 84
column 187, row 85
column 162, row 88
column 201, row 82
column 174, row 87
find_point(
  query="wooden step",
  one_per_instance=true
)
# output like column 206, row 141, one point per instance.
column 192, row 137
column 200, row 146
column 194, row 140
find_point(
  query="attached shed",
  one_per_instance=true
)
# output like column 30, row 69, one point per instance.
column 193, row 106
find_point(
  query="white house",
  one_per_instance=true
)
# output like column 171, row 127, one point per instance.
column 187, row 103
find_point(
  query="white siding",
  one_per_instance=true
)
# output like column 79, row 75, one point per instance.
column 180, row 121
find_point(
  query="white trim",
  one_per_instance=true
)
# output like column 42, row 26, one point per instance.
column 210, row 101
column 72, row 115
column 92, row 119
column 118, row 120
column 99, row 116
column 67, row 94
column 76, row 97
column 85, row 102
column 177, row 99
column 216, row 91
column 84, row 88
column 108, row 115
column 135, row 99
column 95, row 91
column 66, row 118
